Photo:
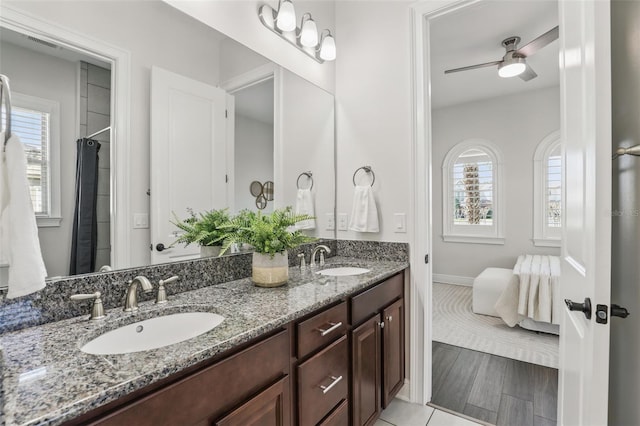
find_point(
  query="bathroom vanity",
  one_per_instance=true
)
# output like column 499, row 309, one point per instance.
column 320, row 350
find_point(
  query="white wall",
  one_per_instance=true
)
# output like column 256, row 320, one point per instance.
column 253, row 159
column 236, row 59
column 239, row 20
column 44, row 76
column 515, row 124
column 373, row 113
column 155, row 34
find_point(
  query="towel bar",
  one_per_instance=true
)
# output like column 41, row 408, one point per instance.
column 309, row 176
column 367, row 169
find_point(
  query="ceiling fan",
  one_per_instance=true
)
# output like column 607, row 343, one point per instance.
column 514, row 62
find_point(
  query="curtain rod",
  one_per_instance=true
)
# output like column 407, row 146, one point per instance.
column 98, row 132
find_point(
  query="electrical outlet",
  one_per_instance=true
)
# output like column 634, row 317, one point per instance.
column 140, row 221
column 343, row 221
column 331, row 221
column 399, row 222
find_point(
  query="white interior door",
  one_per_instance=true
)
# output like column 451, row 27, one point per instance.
column 585, row 57
column 188, row 156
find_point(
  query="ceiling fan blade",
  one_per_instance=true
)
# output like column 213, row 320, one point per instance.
column 540, row 42
column 472, row 67
column 528, row 74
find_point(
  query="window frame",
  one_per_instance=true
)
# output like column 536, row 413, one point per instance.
column 21, row 100
column 476, row 234
column 543, row 235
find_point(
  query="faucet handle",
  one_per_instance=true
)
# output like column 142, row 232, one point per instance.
column 322, row 257
column 303, row 263
column 97, row 312
column 162, row 292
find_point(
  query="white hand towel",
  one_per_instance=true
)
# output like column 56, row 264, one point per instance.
column 304, row 205
column 364, row 213
column 18, row 227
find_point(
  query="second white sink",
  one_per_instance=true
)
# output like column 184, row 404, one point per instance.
column 153, row 333
column 343, row 271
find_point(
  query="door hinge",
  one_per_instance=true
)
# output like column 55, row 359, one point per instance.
column 426, row 258
column 226, row 113
column 226, row 178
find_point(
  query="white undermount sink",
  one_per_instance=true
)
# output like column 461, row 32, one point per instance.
column 153, row 333
column 343, row 271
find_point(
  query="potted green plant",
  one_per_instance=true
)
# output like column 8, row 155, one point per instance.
column 206, row 230
column 270, row 235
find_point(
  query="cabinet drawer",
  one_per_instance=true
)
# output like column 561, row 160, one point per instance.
column 321, row 329
column 212, row 391
column 376, row 298
column 323, row 382
column 338, row 417
column 269, row 407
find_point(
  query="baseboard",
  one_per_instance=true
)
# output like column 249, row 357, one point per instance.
column 453, row 279
column 403, row 393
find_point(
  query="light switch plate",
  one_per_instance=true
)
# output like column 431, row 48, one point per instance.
column 343, row 221
column 399, row 222
column 140, row 221
column 331, row 221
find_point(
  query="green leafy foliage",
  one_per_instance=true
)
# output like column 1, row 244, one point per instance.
column 268, row 234
column 207, row 229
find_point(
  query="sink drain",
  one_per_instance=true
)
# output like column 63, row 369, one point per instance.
column 139, row 329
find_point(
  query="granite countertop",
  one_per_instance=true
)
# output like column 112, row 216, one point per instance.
column 46, row 379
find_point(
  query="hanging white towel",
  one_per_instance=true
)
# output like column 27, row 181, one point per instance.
column 20, row 246
column 304, row 205
column 364, row 213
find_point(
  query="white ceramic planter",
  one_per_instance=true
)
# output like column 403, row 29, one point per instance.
column 267, row 271
column 210, row 251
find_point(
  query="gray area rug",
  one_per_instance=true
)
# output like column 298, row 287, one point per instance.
column 454, row 323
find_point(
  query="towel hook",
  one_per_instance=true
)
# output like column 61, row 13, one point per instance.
column 309, row 176
column 5, row 97
column 633, row 150
column 367, row 169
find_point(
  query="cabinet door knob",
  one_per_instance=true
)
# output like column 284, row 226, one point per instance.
column 389, row 318
column 381, row 324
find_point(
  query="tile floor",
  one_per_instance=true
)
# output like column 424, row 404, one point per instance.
column 400, row 413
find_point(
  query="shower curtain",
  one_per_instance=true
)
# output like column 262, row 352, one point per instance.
column 84, row 241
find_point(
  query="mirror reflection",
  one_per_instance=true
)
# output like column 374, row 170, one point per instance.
column 209, row 117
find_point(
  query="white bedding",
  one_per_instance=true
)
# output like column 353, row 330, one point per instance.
column 534, row 295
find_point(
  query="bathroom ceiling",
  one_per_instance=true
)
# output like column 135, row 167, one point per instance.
column 473, row 35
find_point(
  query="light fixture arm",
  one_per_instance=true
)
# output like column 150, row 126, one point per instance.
column 268, row 17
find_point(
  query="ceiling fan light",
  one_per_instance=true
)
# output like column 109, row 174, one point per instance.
column 286, row 19
column 512, row 68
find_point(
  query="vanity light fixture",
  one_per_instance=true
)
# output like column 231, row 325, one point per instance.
column 305, row 38
column 286, row 17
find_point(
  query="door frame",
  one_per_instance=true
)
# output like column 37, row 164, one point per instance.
column 420, row 377
column 17, row 20
column 243, row 81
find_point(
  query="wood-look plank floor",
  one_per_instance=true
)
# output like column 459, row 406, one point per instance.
column 497, row 390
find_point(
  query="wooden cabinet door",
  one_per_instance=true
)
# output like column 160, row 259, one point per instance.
column 269, row 408
column 393, row 351
column 366, row 368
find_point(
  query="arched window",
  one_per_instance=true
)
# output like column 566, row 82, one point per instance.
column 547, row 192
column 472, row 193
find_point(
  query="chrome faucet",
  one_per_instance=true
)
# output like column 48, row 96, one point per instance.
column 131, row 299
column 322, row 249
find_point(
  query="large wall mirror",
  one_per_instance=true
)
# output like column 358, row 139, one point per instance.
column 277, row 128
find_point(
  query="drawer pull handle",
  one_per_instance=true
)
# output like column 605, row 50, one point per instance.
column 335, row 379
column 334, row 326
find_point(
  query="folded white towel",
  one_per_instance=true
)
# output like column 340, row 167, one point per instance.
column 304, row 205
column 18, row 227
column 364, row 213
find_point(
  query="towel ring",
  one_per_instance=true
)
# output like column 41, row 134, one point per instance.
column 309, row 176
column 367, row 169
